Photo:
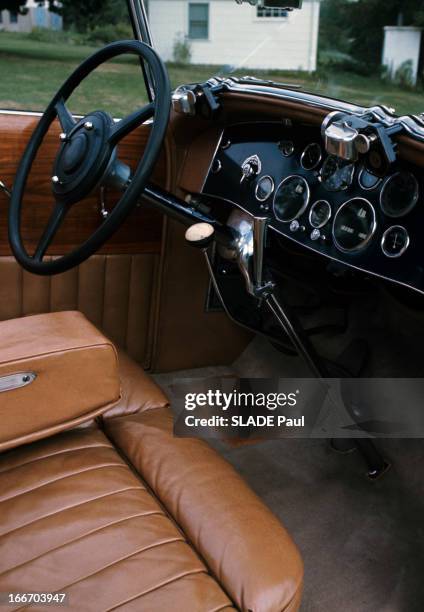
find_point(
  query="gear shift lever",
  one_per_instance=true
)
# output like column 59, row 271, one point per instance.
column 247, row 248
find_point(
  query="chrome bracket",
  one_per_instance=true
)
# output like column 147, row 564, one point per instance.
column 16, row 381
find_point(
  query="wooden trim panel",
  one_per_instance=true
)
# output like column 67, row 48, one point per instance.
column 140, row 233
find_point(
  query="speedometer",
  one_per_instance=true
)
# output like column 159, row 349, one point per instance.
column 354, row 225
column 337, row 174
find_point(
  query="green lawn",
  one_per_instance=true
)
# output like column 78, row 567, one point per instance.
column 31, row 71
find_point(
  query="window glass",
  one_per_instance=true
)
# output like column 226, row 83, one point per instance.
column 43, row 47
column 198, row 20
column 362, row 51
column 272, row 13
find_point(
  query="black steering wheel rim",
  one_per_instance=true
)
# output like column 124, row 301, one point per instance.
column 159, row 108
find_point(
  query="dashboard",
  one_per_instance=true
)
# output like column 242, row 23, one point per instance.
column 336, row 208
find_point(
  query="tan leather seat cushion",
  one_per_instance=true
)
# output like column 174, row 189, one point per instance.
column 76, row 375
column 244, row 545
column 75, row 519
column 188, row 536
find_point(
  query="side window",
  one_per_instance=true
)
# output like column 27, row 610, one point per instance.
column 40, row 47
column 198, row 18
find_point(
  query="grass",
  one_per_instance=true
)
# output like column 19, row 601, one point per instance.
column 32, row 70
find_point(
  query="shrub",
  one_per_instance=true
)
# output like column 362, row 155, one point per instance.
column 104, row 34
column 181, row 50
column 404, row 75
column 335, row 60
column 46, row 35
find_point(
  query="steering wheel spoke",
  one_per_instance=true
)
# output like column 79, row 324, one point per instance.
column 87, row 159
column 55, row 221
column 130, row 122
column 65, row 116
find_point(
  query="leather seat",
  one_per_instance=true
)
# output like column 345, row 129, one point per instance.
column 122, row 515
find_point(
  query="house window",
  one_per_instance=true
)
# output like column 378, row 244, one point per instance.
column 198, row 20
column 263, row 12
column 13, row 17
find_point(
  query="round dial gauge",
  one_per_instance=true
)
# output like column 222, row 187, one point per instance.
column 354, row 225
column 337, row 173
column 286, row 147
column 311, row 156
column 320, row 214
column 264, row 188
column 395, row 241
column 399, row 194
column 291, row 198
column 367, row 180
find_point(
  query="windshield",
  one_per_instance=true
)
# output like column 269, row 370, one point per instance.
column 367, row 51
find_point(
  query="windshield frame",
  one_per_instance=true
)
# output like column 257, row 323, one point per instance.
column 142, row 32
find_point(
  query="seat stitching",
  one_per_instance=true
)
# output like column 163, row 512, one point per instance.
column 60, row 452
column 155, row 588
column 91, row 469
column 87, row 501
column 80, row 537
column 125, row 558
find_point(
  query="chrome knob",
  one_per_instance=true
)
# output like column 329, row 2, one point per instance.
column 55, row 180
column 88, row 125
column 63, row 137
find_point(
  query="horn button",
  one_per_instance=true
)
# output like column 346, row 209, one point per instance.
column 74, row 153
column 83, row 158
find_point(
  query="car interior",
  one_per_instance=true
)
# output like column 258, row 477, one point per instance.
column 234, row 228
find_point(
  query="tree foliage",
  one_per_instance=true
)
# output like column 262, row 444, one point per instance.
column 14, row 6
column 357, row 27
column 85, row 15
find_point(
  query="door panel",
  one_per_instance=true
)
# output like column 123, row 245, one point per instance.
column 115, row 292
column 116, row 288
column 140, row 233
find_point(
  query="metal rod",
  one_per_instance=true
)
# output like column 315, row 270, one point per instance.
column 179, row 210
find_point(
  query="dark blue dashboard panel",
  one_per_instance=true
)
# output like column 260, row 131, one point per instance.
column 271, row 143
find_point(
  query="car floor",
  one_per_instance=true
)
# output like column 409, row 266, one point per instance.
column 362, row 542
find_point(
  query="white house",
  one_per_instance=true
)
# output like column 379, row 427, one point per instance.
column 221, row 32
column 37, row 16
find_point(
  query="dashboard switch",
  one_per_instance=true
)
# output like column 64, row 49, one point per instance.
column 315, row 235
column 250, row 168
column 294, row 226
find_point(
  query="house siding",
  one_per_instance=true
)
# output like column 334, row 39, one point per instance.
column 238, row 38
column 36, row 16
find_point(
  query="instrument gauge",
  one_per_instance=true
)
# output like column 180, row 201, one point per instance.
column 367, row 180
column 320, row 214
column 311, row 156
column 354, row 225
column 337, row 173
column 399, row 194
column 395, row 241
column 291, row 198
column 286, row 147
column 264, row 188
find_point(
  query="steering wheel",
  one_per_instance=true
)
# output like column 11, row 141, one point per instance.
column 87, row 159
